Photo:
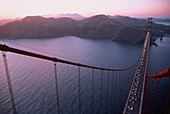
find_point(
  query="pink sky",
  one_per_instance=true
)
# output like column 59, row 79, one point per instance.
column 136, row 8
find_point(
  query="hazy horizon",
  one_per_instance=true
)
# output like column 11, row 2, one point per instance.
column 132, row 8
column 51, row 15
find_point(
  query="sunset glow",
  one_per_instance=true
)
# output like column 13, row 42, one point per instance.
column 139, row 8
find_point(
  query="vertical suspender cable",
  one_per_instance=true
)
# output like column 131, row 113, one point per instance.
column 158, row 82
column 79, row 91
column 149, row 90
column 115, row 91
column 92, row 89
column 167, row 97
column 107, row 93
column 101, row 92
column 9, row 82
column 118, row 86
column 111, row 94
column 155, row 95
column 152, row 96
column 145, row 97
column 57, row 93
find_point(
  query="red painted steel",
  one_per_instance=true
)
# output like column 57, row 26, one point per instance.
column 160, row 74
column 111, row 94
column 107, row 93
column 92, row 89
column 9, row 83
column 101, row 92
column 18, row 51
column 57, row 93
column 79, row 91
column 155, row 96
column 167, row 99
column 115, row 99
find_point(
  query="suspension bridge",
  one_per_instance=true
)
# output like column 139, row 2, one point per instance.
column 136, row 102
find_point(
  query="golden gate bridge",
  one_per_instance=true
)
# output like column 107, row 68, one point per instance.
column 136, row 102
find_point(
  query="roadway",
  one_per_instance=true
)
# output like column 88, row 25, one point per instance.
column 135, row 97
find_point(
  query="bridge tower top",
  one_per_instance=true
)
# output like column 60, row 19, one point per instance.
column 149, row 26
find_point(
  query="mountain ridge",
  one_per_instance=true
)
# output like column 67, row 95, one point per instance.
column 99, row 26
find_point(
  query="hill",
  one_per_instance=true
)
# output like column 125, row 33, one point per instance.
column 74, row 16
column 157, row 29
column 5, row 21
column 118, row 28
column 38, row 27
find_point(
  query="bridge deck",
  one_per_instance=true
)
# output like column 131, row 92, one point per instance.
column 135, row 97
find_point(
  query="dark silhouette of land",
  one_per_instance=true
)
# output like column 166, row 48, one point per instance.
column 117, row 28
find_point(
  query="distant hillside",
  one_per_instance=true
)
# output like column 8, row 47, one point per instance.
column 5, row 21
column 99, row 26
column 161, row 20
column 74, row 16
column 38, row 27
column 118, row 28
column 157, row 29
column 125, row 35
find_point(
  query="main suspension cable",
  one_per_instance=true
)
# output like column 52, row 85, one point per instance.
column 18, row 51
